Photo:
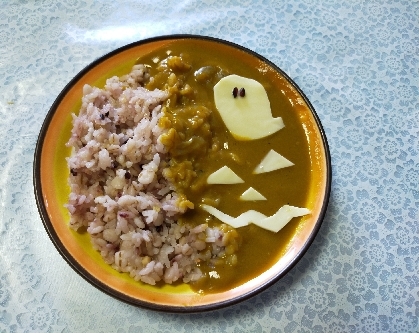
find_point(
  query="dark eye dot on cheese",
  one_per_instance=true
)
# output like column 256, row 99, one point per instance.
column 235, row 92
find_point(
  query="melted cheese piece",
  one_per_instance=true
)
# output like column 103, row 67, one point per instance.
column 236, row 222
column 248, row 117
column 251, row 195
column 273, row 223
column 272, row 161
column 224, row 175
column 279, row 220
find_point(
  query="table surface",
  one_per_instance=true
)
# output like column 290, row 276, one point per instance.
column 358, row 63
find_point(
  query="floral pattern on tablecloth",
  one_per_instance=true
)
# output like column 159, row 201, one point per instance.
column 358, row 63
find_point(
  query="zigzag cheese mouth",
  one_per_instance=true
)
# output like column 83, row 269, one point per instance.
column 273, row 223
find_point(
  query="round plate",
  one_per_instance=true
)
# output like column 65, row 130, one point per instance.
column 51, row 188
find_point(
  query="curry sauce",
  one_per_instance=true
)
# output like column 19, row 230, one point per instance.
column 199, row 143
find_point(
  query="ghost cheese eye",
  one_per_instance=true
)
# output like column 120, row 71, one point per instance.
column 235, row 92
column 241, row 92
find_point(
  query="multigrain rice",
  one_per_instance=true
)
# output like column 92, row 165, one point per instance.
column 119, row 194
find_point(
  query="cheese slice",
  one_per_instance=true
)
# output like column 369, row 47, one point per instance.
column 280, row 219
column 251, row 195
column 224, row 175
column 236, row 222
column 272, row 161
column 248, row 117
column 273, row 223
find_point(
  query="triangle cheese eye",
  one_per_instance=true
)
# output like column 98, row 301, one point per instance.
column 272, row 161
column 247, row 117
column 224, row 175
column 251, row 195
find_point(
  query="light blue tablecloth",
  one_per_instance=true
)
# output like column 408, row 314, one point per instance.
column 358, row 63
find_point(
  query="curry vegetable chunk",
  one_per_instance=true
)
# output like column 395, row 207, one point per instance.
column 200, row 143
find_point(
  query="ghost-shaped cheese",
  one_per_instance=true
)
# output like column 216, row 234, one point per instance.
column 248, row 117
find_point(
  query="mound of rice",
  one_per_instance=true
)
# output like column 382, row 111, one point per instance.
column 119, row 193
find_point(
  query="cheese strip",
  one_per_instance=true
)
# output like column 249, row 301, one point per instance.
column 280, row 219
column 273, row 223
column 236, row 222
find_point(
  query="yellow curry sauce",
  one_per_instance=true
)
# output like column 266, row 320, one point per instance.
column 199, row 144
